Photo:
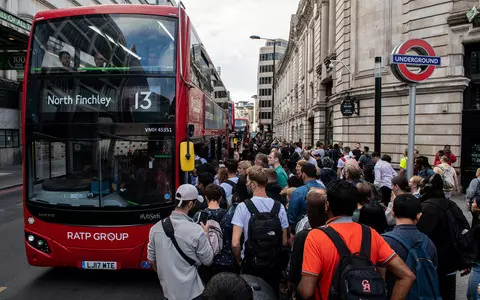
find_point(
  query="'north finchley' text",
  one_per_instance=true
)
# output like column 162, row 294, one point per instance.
column 79, row 100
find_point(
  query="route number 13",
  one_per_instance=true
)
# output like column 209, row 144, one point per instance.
column 144, row 103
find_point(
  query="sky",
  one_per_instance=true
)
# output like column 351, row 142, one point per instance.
column 224, row 26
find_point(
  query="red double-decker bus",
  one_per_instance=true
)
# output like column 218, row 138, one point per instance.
column 242, row 130
column 110, row 94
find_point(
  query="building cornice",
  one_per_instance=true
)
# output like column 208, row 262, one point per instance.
column 458, row 18
column 282, row 65
column 47, row 4
column 304, row 17
column 433, row 86
column 297, row 25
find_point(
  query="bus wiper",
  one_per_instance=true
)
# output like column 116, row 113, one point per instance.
column 41, row 201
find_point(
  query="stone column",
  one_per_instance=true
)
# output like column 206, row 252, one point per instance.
column 331, row 27
column 324, row 31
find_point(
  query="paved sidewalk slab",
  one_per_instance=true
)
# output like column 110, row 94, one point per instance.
column 10, row 176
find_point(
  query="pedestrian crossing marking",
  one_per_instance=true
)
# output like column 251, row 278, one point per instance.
column 3, row 174
column 2, row 288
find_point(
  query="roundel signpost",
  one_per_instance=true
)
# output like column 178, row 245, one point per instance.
column 413, row 61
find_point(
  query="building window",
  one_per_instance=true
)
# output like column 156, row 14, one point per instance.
column 9, row 98
column 265, row 115
column 221, row 94
column 9, row 138
column 265, row 80
column 269, row 56
column 266, row 69
column 279, row 44
column 265, row 103
column 472, row 71
column 265, row 92
column 328, row 90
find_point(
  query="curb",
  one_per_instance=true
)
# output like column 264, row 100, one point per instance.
column 10, row 186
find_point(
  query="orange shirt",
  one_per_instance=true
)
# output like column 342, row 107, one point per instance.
column 320, row 257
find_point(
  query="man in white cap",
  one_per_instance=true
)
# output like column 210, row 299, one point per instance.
column 177, row 246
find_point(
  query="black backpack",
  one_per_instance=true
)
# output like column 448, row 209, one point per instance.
column 459, row 234
column 355, row 277
column 264, row 242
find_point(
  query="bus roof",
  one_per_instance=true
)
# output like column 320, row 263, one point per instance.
column 163, row 10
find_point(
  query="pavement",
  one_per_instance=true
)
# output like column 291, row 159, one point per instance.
column 10, row 176
column 19, row 280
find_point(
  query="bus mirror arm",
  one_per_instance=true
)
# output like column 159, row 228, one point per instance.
column 190, row 132
column 188, row 84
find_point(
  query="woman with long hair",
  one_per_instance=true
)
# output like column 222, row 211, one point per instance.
column 424, row 167
column 373, row 215
column 364, row 197
column 222, row 175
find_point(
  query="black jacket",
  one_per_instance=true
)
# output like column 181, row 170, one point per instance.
column 434, row 223
column 327, row 175
column 273, row 190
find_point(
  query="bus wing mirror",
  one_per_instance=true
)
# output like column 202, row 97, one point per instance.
column 187, row 157
column 190, row 130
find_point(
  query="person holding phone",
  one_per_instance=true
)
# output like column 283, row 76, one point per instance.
column 224, row 261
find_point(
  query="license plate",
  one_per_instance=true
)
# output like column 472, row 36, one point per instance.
column 99, row 265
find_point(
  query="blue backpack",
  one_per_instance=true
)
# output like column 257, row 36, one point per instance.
column 426, row 285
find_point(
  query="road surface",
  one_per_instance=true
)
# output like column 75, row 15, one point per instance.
column 20, row 281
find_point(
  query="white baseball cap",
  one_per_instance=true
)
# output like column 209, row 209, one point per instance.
column 187, row 192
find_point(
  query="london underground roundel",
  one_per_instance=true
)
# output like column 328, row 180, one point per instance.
column 425, row 61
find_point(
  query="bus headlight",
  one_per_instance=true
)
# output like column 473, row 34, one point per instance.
column 37, row 242
column 30, row 220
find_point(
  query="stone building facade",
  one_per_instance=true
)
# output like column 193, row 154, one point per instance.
column 310, row 87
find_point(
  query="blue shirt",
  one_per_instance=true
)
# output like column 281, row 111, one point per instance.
column 297, row 208
column 407, row 232
column 426, row 173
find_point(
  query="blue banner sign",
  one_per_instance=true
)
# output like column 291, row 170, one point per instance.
column 416, row 60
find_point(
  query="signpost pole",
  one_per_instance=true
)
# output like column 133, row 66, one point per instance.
column 378, row 104
column 411, row 129
column 400, row 61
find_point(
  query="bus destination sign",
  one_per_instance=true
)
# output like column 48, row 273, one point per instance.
column 79, row 100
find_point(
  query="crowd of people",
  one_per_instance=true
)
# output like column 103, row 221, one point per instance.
column 282, row 222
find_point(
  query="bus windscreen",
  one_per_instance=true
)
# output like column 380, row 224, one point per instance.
column 105, row 43
column 240, row 123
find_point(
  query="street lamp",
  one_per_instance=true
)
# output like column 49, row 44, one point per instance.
column 256, row 37
column 333, row 62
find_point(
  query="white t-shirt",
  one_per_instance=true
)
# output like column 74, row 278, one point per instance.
column 242, row 215
column 228, row 189
column 341, row 164
column 313, row 161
